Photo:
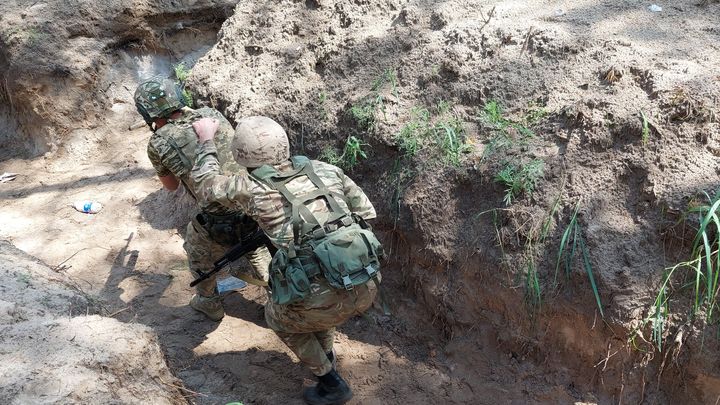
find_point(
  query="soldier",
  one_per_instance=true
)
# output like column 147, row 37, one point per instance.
column 171, row 149
column 326, row 269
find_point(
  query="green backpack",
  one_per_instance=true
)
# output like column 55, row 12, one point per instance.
column 342, row 249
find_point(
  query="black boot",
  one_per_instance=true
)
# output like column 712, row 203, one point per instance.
column 331, row 389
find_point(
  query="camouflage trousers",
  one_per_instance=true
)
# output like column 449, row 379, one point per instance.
column 308, row 327
column 202, row 252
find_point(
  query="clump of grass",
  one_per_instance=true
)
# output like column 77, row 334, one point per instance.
column 182, row 73
column 451, row 139
column 350, row 157
column 364, row 111
column 703, row 267
column 645, row 128
column 493, row 114
column 322, row 105
column 353, row 152
column 330, row 155
column 509, row 134
column 414, row 133
column 519, row 178
column 572, row 245
column 444, row 130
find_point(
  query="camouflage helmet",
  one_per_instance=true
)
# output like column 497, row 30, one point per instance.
column 260, row 141
column 158, row 98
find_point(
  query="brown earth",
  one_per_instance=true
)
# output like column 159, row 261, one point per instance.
column 462, row 329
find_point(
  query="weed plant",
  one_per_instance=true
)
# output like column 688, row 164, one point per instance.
column 509, row 134
column 519, row 179
column 364, row 112
column 412, row 136
column 702, row 267
column 645, row 128
column 573, row 245
column 350, row 157
column 322, row 105
column 182, row 73
column 443, row 131
column 533, row 293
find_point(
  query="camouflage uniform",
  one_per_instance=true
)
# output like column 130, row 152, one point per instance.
column 171, row 150
column 307, row 327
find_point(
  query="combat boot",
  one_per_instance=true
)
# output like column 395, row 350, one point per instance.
column 210, row 306
column 331, row 389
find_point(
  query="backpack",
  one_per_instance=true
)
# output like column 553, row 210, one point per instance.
column 342, row 249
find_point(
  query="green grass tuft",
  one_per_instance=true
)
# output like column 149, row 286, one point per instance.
column 703, row 266
column 364, row 111
column 443, row 131
column 645, row 129
column 520, row 178
column 350, row 157
column 571, row 241
column 181, row 73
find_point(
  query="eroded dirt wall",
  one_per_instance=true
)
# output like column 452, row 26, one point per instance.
column 594, row 70
column 57, row 59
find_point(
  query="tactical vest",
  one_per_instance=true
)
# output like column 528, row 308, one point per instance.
column 342, row 249
column 177, row 144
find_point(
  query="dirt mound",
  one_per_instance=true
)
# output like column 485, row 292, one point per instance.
column 50, row 354
column 68, row 66
column 609, row 108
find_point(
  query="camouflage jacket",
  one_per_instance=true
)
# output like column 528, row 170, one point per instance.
column 267, row 206
column 171, row 150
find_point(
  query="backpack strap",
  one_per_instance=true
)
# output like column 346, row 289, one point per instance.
column 185, row 161
column 303, row 220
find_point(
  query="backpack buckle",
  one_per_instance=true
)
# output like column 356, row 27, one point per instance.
column 319, row 233
column 371, row 271
column 347, row 282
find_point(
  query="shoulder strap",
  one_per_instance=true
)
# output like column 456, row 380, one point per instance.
column 304, row 221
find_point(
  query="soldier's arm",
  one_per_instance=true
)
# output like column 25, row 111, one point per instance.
column 168, row 180
column 357, row 200
column 231, row 191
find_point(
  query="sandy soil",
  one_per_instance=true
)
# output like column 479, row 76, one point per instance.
column 461, row 331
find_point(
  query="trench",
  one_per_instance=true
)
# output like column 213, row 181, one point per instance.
column 455, row 336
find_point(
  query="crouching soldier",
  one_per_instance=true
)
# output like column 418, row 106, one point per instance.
column 326, row 269
column 171, row 150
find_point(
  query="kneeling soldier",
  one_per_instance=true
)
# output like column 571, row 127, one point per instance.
column 326, row 269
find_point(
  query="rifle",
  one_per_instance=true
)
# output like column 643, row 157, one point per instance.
column 246, row 245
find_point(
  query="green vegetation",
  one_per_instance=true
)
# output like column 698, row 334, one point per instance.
column 572, row 244
column 520, row 178
column 322, row 105
column 443, row 132
column 645, row 128
column 509, row 134
column 330, row 155
column 181, row 73
column 364, row 111
column 350, row 157
column 702, row 267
